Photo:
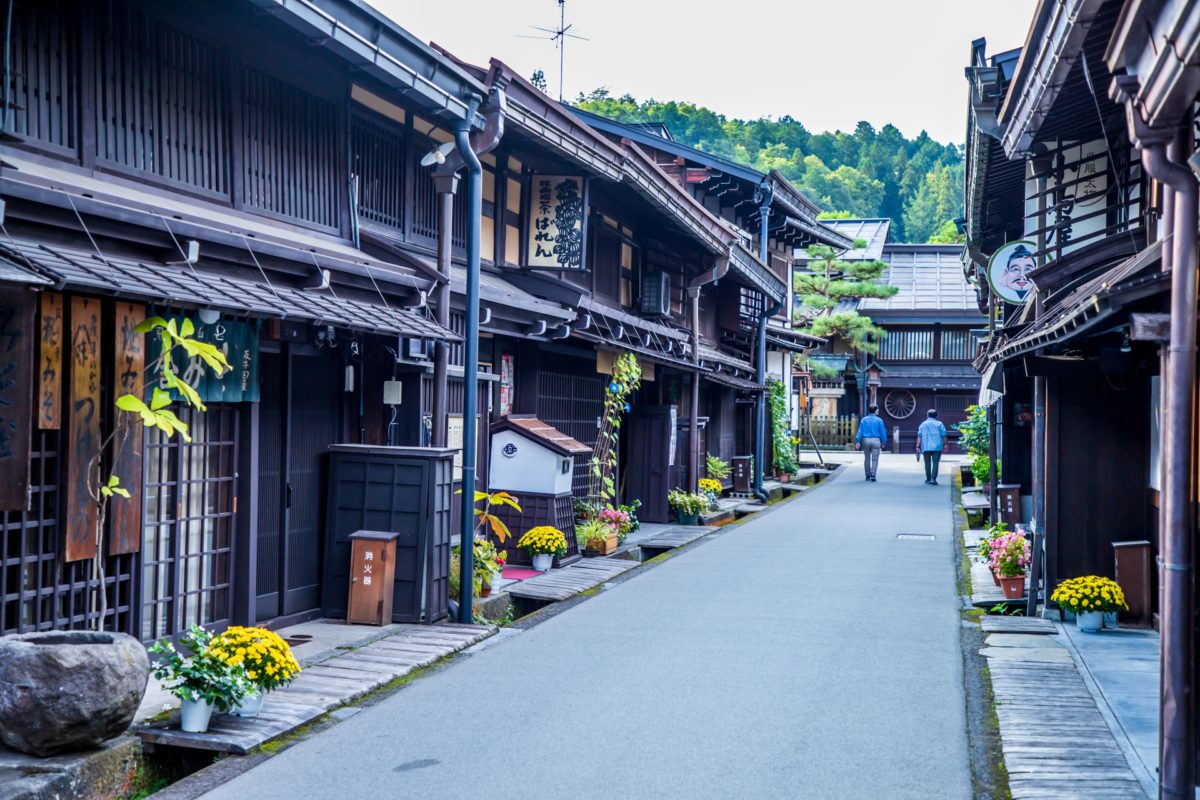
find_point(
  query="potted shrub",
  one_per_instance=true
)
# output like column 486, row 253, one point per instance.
column 266, row 658
column 716, row 468
column 983, row 553
column 599, row 537
column 1089, row 598
column 981, row 469
column 485, row 566
column 201, row 680
column 630, row 523
column 1009, row 555
column 543, row 543
column 688, row 506
column 711, row 488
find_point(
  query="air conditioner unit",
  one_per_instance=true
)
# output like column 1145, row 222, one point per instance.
column 656, row 294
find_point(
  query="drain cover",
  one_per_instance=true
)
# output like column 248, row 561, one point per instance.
column 926, row 537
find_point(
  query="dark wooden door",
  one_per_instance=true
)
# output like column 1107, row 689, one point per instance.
column 649, row 460
column 298, row 421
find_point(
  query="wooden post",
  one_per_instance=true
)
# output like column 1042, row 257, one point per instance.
column 129, row 366
column 83, row 430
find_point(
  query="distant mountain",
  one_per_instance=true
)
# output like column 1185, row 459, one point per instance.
column 866, row 173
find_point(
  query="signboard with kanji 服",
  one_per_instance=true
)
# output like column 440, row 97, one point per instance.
column 16, row 396
column 555, row 223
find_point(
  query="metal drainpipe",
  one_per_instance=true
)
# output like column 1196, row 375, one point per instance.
column 462, row 138
column 1039, row 169
column 1175, row 778
column 446, row 185
column 760, row 422
column 694, row 430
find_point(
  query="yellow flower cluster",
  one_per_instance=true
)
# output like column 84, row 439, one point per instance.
column 266, row 658
column 1089, row 593
column 709, row 485
column 544, row 539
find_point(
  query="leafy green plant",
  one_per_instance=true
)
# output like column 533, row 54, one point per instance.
column 981, row 468
column 172, row 335
column 624, row 381
column 716, row 467
column 484, row 516
column 687, row 502
column 594, row 533
column 201, row 675
column 826, row 283
column 974, row 430
column 785, row 452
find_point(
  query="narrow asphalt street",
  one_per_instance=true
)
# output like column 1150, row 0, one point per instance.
column 808, row 653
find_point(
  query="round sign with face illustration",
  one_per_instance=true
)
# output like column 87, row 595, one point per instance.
column 1008, row 271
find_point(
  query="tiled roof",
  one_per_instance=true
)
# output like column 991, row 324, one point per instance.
column 929, row 276
column 873, row 231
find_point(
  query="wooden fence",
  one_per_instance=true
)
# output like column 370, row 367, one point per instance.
column 832, row 432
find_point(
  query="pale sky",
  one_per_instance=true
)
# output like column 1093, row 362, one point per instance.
column 828, row 63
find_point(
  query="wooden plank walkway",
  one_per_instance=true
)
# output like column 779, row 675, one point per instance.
column 1056, row 743
column 559, row 584
column 1035, row 625
column 676, row 537
column 321, row 687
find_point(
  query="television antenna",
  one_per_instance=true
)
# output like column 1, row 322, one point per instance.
column 559, row 36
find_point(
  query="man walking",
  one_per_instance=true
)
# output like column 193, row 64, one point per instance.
column 871, row 435
column 931, row 438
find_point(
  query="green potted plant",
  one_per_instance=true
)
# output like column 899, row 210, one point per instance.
column 202, row 680
column 599, row 537
column 983, row 553
column 688, row 506
column 543, row 544
column 486, row 566
column 1089, row 598
column 716, row 468
column 1009, row 556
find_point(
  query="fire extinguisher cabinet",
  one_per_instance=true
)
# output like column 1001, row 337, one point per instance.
column 403, row 490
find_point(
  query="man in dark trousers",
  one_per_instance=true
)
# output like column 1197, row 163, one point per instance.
column 872, row 433
column 931, row 439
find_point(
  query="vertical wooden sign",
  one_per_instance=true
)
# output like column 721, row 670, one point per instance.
column 83, row 429
column 129, row 367
column 16, row 396
column 50, row 354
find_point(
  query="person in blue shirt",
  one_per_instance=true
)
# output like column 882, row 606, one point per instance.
column 931, row 439
column 871, row 435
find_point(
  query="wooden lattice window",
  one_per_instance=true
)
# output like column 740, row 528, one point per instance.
column 160, row 101
column 187, row 546
column 377, row 153
column 37, row 590
column 43, row 81
column 291, row 153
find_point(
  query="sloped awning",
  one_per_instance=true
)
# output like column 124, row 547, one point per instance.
column 788, row 339
column 135, row 279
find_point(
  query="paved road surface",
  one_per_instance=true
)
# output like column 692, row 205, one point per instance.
column 806, row 654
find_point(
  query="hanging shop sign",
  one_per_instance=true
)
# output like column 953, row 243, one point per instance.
column 17, row 334
column 1009, row 268
column 239, row 342
column 556, row 223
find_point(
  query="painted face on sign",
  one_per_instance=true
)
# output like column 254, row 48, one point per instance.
column 1016, row 272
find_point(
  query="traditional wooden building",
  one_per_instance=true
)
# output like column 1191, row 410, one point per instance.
column 1078, row 151
column 217, row 164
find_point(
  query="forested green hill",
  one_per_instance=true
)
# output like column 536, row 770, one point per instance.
column 866, row 173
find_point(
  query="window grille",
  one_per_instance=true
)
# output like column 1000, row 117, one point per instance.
column 43, row 87
column 187, row 545
column 906, row 345
column 956, row 345
column 378, row 161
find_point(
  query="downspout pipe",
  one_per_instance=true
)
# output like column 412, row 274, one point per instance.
column 445, row 179
column 462, row 139
column 712, row 276
column 762, row 195
column 1175, row 754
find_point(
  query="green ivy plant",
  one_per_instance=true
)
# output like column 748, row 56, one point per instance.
column 172, row 335
column 624, row 381
column 785, row 454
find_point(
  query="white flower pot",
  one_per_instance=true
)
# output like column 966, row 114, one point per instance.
column 194, row 715
column 496, row 577
column 543, row 561
column 1089, row 621
column 1110, row 620
column 251, row 705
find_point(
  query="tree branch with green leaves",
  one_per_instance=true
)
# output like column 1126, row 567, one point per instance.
column 831, row 280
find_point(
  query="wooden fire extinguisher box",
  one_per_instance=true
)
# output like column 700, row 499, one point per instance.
column 372, row 577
